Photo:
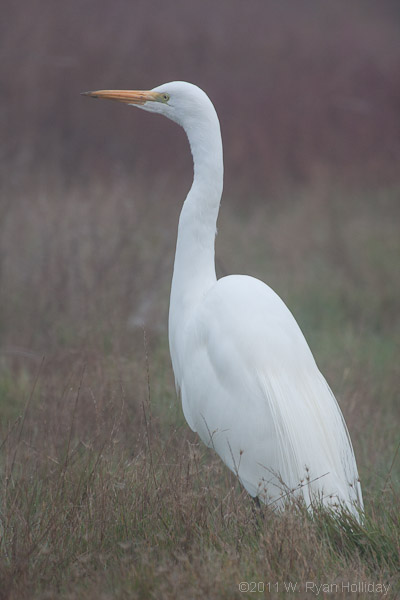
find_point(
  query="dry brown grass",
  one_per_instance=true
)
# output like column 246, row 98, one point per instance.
column 102, row 498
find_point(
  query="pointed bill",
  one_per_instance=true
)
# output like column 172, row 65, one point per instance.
column 137, row 97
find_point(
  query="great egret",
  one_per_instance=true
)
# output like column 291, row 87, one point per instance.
column 248, row 381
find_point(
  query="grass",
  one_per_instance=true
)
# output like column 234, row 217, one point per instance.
column 105, row 492
column 99, row 500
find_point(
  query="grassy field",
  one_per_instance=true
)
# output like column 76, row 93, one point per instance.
column 105, row 492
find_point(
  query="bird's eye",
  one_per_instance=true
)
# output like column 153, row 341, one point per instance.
column 165, row 97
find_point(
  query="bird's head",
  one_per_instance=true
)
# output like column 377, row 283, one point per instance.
column 178, row 100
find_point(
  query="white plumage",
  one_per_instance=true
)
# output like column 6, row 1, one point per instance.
column 249, row 384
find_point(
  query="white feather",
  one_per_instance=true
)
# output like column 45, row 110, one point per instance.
column 254, row 393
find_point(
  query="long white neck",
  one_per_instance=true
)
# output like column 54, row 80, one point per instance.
column 194, row 268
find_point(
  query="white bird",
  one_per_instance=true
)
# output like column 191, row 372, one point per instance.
column 248, row 381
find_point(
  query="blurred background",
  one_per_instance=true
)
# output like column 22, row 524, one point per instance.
column 298, row 88
column 308, row 95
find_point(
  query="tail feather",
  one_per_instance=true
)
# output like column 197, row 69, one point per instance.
column 315, row 457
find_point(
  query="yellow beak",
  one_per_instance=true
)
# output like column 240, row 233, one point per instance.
column 126, row 96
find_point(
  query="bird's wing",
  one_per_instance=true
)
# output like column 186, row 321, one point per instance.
column 251, row 388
